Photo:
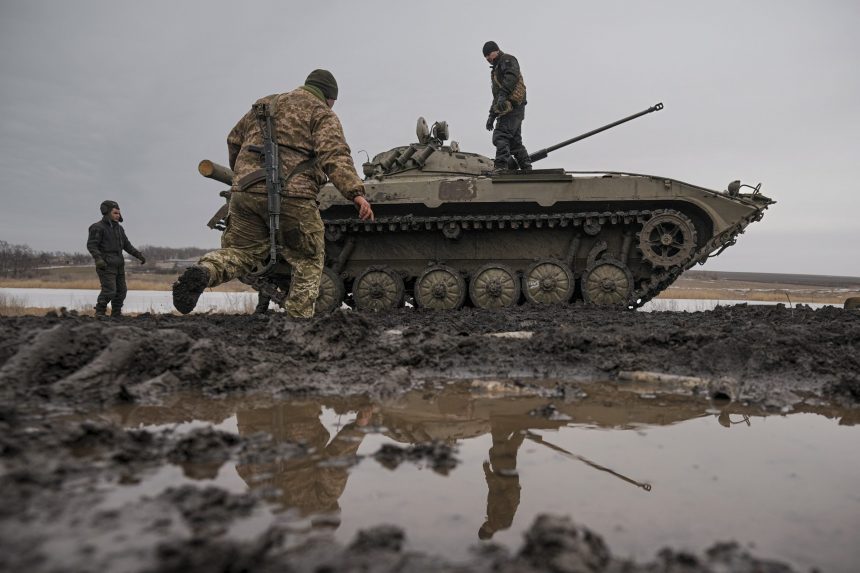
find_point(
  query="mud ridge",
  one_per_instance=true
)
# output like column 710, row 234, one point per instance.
column 768, row 354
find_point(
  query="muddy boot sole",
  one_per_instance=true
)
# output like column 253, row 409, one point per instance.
column 188, row 288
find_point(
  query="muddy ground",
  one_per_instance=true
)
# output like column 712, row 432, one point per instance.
column 55, row 463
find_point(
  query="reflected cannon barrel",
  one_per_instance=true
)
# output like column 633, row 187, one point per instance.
column 215, row 171
column 538, row 155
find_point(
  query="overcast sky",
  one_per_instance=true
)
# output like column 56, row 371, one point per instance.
column 118, row 99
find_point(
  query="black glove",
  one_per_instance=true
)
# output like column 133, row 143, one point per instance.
column 142, row 259
column 490, row 121
column 101, row 264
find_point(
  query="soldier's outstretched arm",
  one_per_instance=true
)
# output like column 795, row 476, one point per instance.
column 129, row 248
column 334, row 156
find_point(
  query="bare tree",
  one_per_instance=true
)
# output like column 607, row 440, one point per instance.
column 21, row 260
column 16, row 260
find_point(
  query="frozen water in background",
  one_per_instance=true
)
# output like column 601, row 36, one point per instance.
column 698, row 305
column 137, row 301
column 160, row 302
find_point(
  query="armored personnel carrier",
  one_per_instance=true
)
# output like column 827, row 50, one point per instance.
column 450, row 231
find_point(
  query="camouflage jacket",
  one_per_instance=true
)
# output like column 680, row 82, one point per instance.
column 305, row 128
column 507, row 79
column 107, row 237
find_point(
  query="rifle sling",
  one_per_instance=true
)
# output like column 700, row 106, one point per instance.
column 259, row 175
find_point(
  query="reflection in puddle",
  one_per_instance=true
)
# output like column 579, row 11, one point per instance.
column 311, row 484
column 644, row 473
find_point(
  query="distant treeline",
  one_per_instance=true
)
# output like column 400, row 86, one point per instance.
column 20, row 260
column 171, row 253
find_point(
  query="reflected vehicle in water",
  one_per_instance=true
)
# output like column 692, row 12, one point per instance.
column 310, row 482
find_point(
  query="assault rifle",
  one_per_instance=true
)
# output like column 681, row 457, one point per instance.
column 273, row 181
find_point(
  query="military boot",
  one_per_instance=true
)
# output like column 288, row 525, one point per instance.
column 188, row 288
column 524, row 162
column 116, row 312
column 498, row 169
column 101, row 313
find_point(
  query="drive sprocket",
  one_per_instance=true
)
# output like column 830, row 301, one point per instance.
column 667, row 239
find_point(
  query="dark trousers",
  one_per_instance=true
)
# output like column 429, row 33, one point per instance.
column 112, row 280
column 262, row 303
column 508, row 139
column 263, row 300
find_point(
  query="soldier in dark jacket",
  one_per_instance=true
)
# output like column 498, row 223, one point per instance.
column 508, row 109
column 106, row 243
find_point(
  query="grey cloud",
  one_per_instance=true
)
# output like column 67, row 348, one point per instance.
column 122, row 99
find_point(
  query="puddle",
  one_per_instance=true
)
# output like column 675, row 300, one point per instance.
column 642, row 472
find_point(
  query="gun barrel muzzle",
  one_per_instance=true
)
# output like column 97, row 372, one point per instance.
column 215, row 171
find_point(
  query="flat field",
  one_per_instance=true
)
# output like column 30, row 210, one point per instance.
column 84, row 277
column 694, row 284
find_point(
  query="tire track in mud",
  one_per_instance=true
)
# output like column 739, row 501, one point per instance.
column 766, row 354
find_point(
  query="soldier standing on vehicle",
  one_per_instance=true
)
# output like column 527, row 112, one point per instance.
column 311, row 150
column 507, row 111
column 106, row 243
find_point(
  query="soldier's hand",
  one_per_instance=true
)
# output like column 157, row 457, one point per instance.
column 101, row 264
column 365, row 212
column 503, row 107
column 142, row 259
column 490, row 121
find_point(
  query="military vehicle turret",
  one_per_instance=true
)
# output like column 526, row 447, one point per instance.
column 450, row 231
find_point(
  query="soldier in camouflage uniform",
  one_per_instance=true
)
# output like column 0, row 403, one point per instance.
column 508, row 109
column 312, row 150
column 106, row 243
column 310, row 485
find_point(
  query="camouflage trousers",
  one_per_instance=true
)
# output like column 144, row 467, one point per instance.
column 245, row 246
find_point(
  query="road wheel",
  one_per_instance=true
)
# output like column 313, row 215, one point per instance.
column 440, row 287
column 332, row 292
column 607, row 282
column 494, row 286
column 548, row 282
column 378, row 288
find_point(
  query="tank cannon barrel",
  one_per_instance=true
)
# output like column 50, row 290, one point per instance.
column 538, row 155
column 215, row 171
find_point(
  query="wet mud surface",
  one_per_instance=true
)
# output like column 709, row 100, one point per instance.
column 61, row 454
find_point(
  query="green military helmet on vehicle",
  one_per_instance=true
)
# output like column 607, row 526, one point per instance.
column 449, row 231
